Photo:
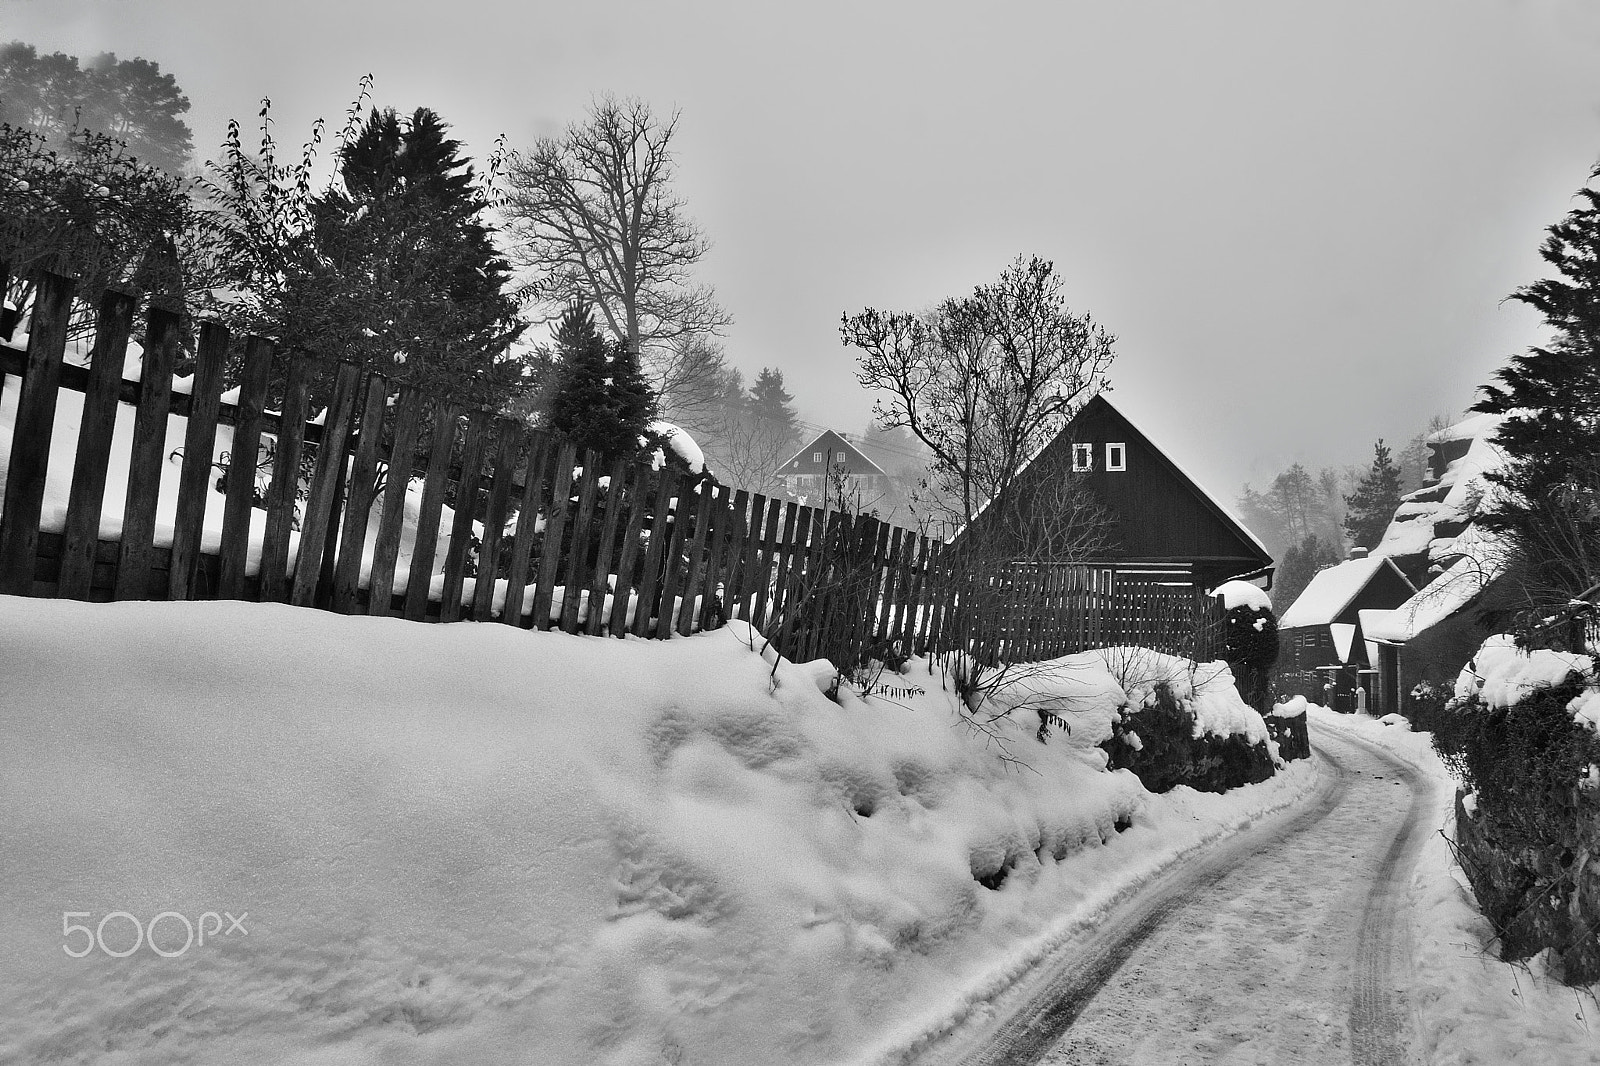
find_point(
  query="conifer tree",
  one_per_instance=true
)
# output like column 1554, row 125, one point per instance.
column 400, row 272
column 603, row 401
column 1550, row 396
column 1372, row 504
column 770, row 401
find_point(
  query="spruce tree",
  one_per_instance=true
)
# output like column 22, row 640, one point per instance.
column 603, row 401
column 400, row 271
column 1549, row 506
column 1372, row 505
column 769, row 400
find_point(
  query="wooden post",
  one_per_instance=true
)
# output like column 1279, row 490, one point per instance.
column 735, row 544
column 578, row 553
column 199, row 446
column 30, row 439
column 598, row 617
column 628, row 555
column 716, row 537
column 650, row 577
column 419, row 578
column 285, row 488
column 81, row 537
column 772, row 531
column 672, row 565
column 148, row 456
column 397, row 479
column 466, row 502
column 240, row 484
column 791, row 571
column 323, row 504
column 702, row 534
column 508, row 436
column 555, row 523
column 540, row 452
column 359, row 499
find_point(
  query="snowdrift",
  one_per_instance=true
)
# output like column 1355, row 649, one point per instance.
column 469, row 843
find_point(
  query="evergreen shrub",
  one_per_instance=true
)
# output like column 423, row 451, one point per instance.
column 1529, row 844
column 1158, row 744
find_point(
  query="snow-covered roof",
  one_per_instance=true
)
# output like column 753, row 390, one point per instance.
column 1331, row 591
column 1482, row 560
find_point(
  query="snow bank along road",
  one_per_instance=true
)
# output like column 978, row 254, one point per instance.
column 1287, row 943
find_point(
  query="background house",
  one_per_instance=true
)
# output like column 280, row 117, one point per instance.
column 831, row 459
column 1464, row 590
column 1324, row 650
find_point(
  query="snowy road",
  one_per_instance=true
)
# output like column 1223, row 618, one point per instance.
column 1289, row 943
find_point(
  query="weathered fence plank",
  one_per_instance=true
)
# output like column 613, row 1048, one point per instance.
column 199, row 445
column 597, row 617
column 283, row 493
column 430, row 508
column 672, row 565
column 578, row 554
column 540, row 453
column 628, row 554
column 466, row 502
column 396, row 482
column 655, row 552
column 86, row 502
column 148, row 456
column 359, row 497
column 555, row 523
column 30, row 440
column 766, row 562
column 508, row 443
column 239, row 485
column 323, row 502
column 703, row 517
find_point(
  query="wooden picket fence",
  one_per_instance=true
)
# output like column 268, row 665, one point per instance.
column 563, row 544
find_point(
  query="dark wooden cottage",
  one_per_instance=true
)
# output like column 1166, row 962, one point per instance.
column 829, row 459
column 1159, row 518
column 1324, row 651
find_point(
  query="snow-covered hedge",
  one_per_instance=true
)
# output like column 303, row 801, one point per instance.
column 1521, row 735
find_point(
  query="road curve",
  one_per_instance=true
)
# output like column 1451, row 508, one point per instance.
column 1287, row 943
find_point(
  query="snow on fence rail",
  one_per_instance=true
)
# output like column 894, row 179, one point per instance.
column 112, row 491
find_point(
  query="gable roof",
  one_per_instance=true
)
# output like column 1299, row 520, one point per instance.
column 828, row 442
column 1222, row 510
column 1332, row 590
column 1098, row 406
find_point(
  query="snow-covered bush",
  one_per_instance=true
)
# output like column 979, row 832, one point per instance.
column 1522, row 741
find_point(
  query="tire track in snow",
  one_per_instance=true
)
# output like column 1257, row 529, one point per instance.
column 1152, row 983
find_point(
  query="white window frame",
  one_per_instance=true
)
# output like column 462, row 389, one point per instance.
column 1120, row 451
column 816, row 457
column 1082, row 457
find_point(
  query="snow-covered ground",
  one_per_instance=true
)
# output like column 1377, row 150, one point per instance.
column 470, row 843
column 1471, row 1007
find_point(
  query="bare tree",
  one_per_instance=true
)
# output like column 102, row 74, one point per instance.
column 984, row 381
column 692, row 377
column 594, row 213
column 746, row 449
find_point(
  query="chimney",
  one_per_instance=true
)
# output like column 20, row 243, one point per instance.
column 1358, row 552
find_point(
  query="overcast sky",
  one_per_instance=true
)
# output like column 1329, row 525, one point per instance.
column 1300, row 219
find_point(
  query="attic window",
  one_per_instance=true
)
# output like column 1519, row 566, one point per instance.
column 816, row 457
column 1116, row 457
column 1083, row 457
column 839, row 457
